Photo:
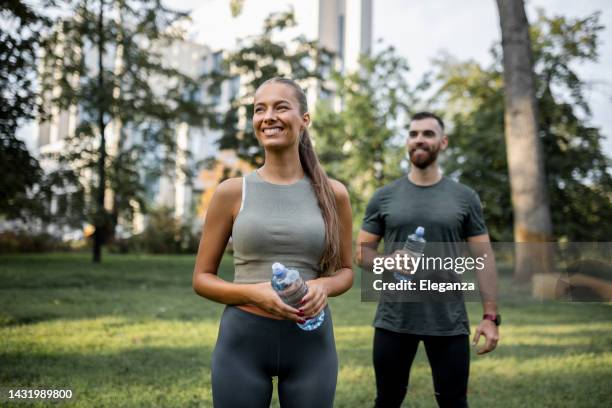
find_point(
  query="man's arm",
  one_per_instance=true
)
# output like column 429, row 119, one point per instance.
column 480, row 246
column 366, row 251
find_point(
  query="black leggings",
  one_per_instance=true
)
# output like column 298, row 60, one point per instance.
column 449, row 358
column 252, row 349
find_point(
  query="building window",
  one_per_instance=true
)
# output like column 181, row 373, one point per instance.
column 234, row 87
column 217, row 61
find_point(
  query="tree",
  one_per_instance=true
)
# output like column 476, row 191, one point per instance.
column 16, row 200
column 361, row 145
column 29, row 194
column 18, row 47
column 472, row 98
column 579, row 173
column 128, row 87
column 532, row 220
column 579, row 183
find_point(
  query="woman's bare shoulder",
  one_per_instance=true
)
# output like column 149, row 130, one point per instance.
column 340, row 191
column 228, row 191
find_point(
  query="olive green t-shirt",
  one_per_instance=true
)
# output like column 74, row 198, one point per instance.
column 449, row 212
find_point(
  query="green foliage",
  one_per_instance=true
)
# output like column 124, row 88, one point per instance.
column 578, row 172
column 29, row 195
column 361, row 145
column 135, row 91
column 19, row 42
column 16, row 200
column 164, row 234
column 236, row 7
column 477, row 152
column 18, row 46
column 23, row 241
column 258, row 59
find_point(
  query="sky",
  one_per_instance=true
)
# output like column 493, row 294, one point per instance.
column 419, row 30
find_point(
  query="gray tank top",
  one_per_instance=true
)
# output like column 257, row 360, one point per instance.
column 277, row 223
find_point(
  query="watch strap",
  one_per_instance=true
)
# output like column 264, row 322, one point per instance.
column 494, row 318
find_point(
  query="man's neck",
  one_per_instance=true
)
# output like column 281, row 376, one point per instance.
column 425, row 177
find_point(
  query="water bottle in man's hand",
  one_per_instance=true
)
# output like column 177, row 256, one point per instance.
column 415, row 244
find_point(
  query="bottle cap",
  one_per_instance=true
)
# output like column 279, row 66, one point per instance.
column 420, row 232
column 278, row 269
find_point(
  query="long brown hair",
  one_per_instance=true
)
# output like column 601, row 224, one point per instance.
column 330, row 260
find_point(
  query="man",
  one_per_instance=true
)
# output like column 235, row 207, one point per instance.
column 449, row 212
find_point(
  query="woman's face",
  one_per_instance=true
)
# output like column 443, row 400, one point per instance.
column 277, row 120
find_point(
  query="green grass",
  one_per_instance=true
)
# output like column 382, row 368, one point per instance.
column 132, row 333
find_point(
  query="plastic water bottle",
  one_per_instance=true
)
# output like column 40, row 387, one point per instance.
column 415, row 244
column 291, row 288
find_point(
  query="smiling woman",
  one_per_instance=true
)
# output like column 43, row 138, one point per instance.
column 287, row 211
column 277, row 119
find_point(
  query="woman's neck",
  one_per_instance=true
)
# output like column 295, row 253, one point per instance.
column 282, row 167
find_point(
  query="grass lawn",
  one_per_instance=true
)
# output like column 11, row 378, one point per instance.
column 132, row 333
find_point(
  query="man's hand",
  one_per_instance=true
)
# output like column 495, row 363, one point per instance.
column 401, row 253
column 489, row 330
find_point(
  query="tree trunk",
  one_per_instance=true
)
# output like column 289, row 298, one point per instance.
column 117, row 124
column 532, row 220
column 100, row 223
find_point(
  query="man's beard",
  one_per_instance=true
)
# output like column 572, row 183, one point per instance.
column 424, row 162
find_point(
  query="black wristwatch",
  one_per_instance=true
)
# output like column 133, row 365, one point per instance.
column 494, row 318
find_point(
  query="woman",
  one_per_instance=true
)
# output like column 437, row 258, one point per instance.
column 287, row 211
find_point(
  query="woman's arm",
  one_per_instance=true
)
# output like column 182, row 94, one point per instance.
column 215, row 233
column 342, row 279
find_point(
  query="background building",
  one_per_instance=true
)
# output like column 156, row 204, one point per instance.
column 345, row 27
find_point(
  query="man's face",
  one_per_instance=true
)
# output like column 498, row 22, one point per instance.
column 425, row 139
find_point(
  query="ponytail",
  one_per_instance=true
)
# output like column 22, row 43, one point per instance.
column 330, row 260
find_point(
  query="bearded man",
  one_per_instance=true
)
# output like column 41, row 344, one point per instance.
column 450, row 212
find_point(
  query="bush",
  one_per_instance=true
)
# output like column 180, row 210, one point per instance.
column 24, row 241
column 164, row 234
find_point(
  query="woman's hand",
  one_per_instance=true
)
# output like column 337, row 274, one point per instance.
column 263, row 296
column 315, row 300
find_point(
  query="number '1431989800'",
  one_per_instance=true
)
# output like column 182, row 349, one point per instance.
column 39, row 394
